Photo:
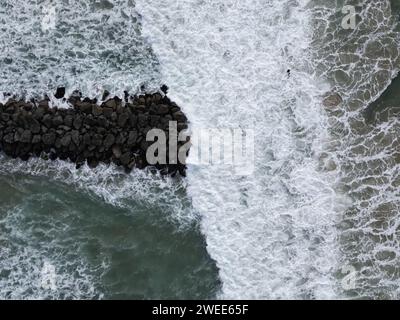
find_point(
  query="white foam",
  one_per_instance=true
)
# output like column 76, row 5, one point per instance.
column 89, row 45
column 366, row 153
column 35, row 272
column 272, row 234
column 113, row 185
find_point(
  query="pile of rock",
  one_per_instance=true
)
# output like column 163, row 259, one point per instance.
column 111, row 131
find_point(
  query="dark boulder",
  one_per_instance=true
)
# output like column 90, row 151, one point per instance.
column 160, row 109
column 121, row 138
column 36, row 139
column 114, row 117
column 78, row 122
column 179, row 116
column 107, row 112
column 116, row 150
column 164, row 88
column 154, row 120
column 49, row 138
column 132, row 138
column 109, row 140
column 66, row 140
column 75, row 137
column 106, row 94
column 125, row 158
column 69, row 120
column 9, row 138
column 39, row 112
column 112, row 132
column 97, row 140
column 87, row 140
column 97, row 110
column 123, row 119
column 26, row 136
column 111, row 104
column 57, row 121
column 47, row 120
column 93, row 163
column 142, row 120
column 85, row 107
column 60, row 93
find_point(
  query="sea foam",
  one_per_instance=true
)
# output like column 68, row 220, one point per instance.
column 273, row 233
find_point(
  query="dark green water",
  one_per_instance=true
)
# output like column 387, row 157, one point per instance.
column 67, row 233
column 59, row 242
column 74, row 234
column 388, row 103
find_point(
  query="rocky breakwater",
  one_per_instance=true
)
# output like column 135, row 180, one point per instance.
column 111, row 131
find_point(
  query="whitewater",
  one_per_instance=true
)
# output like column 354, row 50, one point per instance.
column 320, row 208
column 272, row 233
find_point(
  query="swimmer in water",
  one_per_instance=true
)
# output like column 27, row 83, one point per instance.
column 288, row 73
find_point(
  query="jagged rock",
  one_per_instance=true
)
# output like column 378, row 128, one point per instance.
column 121, row 138
column 57, row 121
column 26, row 136
column 105, row 95
column 142, row 120
column 107, row 112
column 66, row 140
column 85, row 107
column 132, row 120
column 111, row 104
column 154, row 120
column 132, row 138
column 179, row 116
column 49, row 138
column 114, row 117
column 33, row 125
column 78, row 122
column 36, row 139
column 125, row 158
column 160, row 109
column 93, row 163
column 39, row 112
column 122, row 119
column 5, row 117
column 87, row 139
column 47, row 120
column 112, row 132
column 60, row 93
column 97, row 140
column 9, row 138
column 75, row 137
column 109, row 140
column 97, row 110
column 69, row 120
column 116, row 150
column 164, row 88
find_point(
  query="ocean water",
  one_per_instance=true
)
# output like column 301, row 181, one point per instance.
column 318, row 219
column 92, row 234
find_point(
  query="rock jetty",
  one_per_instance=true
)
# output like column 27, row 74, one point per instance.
column 110, row 131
